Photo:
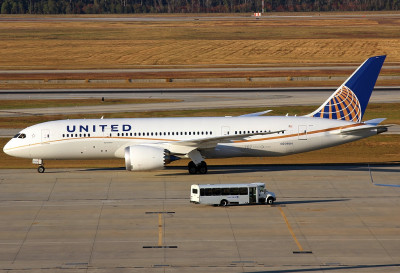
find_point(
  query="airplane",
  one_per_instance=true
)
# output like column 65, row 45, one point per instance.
column 151, row 143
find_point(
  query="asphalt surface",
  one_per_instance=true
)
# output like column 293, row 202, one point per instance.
column 200, row 17
column 326, row 219
column 191, row 99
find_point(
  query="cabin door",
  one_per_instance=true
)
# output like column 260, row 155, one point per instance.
column 302, row 132
column 225, row 130
column 45, row 135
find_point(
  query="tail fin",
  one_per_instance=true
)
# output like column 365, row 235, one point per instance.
column 350, row 100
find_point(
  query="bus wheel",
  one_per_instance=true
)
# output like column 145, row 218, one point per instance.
column 202, row 168
column 224, row 203
column 270, row 201
column 192, row 168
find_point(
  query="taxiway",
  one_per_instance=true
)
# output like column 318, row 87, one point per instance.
column 326, row 219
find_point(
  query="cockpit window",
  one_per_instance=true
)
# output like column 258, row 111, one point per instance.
column 20, row 135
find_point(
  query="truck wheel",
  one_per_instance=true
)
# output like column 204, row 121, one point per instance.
column 270, row 201
column 224, row 203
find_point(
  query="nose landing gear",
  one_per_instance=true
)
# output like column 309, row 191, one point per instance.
column 41, row 169
column 39, row 162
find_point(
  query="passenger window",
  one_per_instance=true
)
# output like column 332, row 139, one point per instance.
column 216, row 191
column 225, row 191
column 234, row 191
column 207, row 192
column 194, row 191
column 243, row 191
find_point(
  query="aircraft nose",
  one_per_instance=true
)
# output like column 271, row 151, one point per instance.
column 7, row 148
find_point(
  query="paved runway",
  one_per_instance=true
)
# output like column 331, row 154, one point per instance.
column 326, row 219
column 192, row 99
column 202, row 17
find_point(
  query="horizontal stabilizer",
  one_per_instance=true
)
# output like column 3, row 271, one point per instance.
column 374, row 122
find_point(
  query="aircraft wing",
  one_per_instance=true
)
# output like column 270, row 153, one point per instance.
column 185, row 146
column 256, row 114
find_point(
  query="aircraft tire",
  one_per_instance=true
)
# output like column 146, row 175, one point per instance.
column 202, row 168
column 192, row 168
column 41, row 169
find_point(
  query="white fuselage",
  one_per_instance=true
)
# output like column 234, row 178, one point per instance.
column 107, row 138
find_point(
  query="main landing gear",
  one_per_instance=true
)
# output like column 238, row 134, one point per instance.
column 200, row 168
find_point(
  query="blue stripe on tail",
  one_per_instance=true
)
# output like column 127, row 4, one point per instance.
column 350, row 100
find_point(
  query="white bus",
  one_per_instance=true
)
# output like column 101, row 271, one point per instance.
column 225, row 194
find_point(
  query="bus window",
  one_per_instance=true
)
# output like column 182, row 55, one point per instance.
column 208, row 192
column 234, row 191
column 243, row 191
column 201, row 192
column 216, row 191
column 225, row 191
column 194, row 191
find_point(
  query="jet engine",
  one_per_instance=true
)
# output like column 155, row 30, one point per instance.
column 145, row 158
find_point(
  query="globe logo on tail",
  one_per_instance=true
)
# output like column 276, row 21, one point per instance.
column 344, row 105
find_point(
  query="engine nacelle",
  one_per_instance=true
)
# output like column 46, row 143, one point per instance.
column 145, row 158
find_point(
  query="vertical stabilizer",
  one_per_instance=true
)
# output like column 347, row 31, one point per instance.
column 350, row 100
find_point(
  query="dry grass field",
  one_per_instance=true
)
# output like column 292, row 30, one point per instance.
column 223, row 41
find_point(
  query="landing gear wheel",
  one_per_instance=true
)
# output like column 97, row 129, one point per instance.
column 192, row 167
column 202, row 167
column 41, row 169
